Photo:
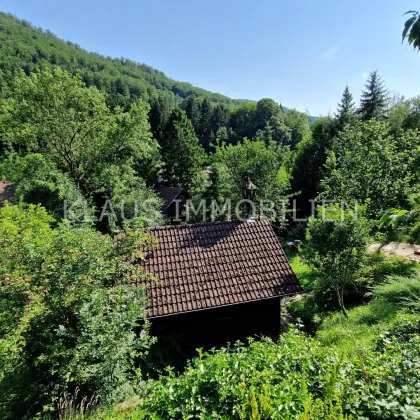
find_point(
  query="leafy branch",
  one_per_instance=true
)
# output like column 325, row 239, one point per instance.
column 411, row 30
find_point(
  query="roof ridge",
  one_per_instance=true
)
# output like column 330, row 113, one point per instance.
column 209, row 223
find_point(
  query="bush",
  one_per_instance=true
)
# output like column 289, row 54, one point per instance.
column 405, row 330
column 378, row 267
column 67, row 313
column 400, row 291
column 336, row 248
column 415, row 233
column 297, row 378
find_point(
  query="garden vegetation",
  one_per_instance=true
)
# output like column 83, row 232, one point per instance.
column 83, row 129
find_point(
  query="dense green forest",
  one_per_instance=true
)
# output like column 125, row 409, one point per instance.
column 77, row 128
column 24, row 47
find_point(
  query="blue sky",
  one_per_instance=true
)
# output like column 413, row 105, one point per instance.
column 300, row 53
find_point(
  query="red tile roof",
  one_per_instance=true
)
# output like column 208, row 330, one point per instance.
column 215, row 264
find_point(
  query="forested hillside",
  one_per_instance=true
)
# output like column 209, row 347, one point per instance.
column 29, row 49
column 23, row 46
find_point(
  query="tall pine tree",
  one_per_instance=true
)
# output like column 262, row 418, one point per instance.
column 374, row 100
column 346, row 109
column 181, row 152
column 193, row 110
column 204, row 131
column 160, row 110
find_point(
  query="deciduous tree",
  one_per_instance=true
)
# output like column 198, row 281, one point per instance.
column 369, row 165
column 68, row 310
column 336, row 247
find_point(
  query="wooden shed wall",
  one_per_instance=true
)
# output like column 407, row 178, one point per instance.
column 218, row 326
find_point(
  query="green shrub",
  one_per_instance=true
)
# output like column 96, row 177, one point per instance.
column 415, row 233
column 67, row 313
column 406, row 328
column 400, row 291
column 378, row 267
column 336, row 248
column 296, row 378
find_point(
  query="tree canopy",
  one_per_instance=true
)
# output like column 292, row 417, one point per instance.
column 368, row 165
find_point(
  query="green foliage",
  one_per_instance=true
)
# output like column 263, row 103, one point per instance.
column 131, row 204
column 368, row 165
column 264, row 164
column 82, row 140
column 336, row 248
column 306, row 311
column 404, row 330
column 405, row 114
column 392, row 217
column 415, row 233
column 357, row 332
column 378, row 267
column 306, row 275
column 299, row 123
column 39, row 182
column 55, row 114
column 293, row 379
column 182, row 152
column 67, row 313
column 160, row 109
column 309, row 160
column 205, row 124
column 124, row 81
column 374, row 100
column 313, row 308
column 243, row 120
column 394, row 307
column 346, row 109
column 401, row 291
column 270, row 117
column 411, row 30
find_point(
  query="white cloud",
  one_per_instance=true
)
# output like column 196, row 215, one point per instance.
column 331, row 52
column 364, row 75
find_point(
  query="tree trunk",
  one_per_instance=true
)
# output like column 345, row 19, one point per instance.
column 340, row 297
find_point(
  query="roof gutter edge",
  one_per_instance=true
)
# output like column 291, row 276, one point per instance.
column 223, row 306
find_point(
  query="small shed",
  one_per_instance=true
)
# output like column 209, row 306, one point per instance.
column 218, row 282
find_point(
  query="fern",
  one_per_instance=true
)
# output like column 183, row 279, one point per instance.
column 403, row 292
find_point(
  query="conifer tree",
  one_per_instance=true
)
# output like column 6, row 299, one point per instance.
column 204, row 131
column 193, row 110
column 346, row 109
column 181, row 151
column 158, row 115
column 374, row 100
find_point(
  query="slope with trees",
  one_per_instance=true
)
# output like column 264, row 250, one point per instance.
column 80, row 128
